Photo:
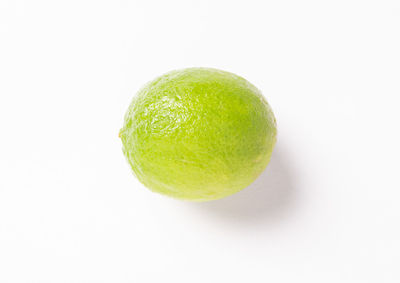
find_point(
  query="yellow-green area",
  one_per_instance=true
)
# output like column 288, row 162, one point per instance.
column 198, row 134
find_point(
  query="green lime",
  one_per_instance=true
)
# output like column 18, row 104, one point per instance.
column 198, row 134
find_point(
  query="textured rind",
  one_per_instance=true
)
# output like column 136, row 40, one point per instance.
column 198, row 134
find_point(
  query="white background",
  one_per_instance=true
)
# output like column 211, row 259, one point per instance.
column 325, row 210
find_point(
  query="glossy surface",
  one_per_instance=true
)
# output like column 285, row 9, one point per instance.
column 198, row 134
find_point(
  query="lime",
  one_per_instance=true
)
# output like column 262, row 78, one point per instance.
column 198, row 134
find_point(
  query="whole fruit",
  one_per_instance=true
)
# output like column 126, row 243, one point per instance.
column 198, row 134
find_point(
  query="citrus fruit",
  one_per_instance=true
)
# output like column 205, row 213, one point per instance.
column 198, row 134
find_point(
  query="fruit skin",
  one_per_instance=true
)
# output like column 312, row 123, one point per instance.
column 198, row 134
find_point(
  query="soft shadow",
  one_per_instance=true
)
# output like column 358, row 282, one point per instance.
column 270, row 198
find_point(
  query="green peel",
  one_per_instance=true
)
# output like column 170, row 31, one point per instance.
column 198, row 134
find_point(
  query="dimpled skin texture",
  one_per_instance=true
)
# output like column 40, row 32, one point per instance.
column 198, row 134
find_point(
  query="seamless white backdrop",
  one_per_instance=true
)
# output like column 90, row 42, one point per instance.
column 325, row 210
